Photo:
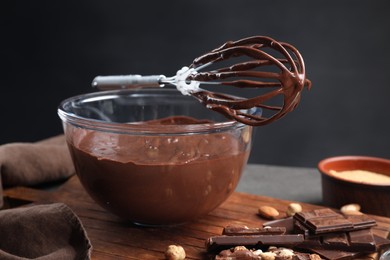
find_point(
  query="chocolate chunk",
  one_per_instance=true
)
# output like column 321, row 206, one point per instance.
column 361, row 221
column 323, row 232
column 300, row 229
column 218, row 243
column 353, row 241
column 338, row 240
column 317, row 213
column 244, row 230
column 335, row 254
column 362, row 238
column 301, row 256
column 287, row 223
column 382, row 244
column 325, row 220
column 328, row 225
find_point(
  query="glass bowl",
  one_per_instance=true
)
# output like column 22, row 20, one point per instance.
column 154, row 156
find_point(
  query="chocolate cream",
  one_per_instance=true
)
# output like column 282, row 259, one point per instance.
column 282, row 75
column 167, row 179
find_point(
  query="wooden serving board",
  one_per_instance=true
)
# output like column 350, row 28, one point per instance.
column 112, row 238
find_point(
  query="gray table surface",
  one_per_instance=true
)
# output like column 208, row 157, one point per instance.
column 289, row 183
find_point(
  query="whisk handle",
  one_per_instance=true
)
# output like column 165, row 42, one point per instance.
column 127, row 81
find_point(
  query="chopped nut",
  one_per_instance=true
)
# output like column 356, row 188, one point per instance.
column 238, row 252
column 175, row 252
column 293, row 208
column 267, row 256
column 286, row 253
column 314, row 257
column 257, row 252
column 282, row 253
column 268, row 212
column 237, row 248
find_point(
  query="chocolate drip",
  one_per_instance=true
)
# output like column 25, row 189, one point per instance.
column 288, row 82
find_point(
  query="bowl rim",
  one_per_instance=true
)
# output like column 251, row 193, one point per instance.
column 137, row 127
column 324, row 172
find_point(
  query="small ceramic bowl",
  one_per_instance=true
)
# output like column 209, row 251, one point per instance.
column 336, row 191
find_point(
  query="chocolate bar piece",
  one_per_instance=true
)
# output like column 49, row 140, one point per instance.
column 382, row 244
column 218, row 243
column 301, row 229
column 324, row 232
column 362, row 238
column 353, row 241
column 325, row 220
column 338, row 240
column 335, row 254
column 244, row 230
column 361, row 221
column 287, row 223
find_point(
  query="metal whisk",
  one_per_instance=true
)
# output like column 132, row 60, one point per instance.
column 288, row 81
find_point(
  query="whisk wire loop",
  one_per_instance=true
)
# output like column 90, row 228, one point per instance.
column 287, row 81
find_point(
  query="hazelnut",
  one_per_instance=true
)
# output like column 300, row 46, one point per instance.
column 175, row 252
column 293, row 208
column 268, row 212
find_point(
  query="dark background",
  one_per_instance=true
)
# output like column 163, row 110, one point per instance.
column 51, row 50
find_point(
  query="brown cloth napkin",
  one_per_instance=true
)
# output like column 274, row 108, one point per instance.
column 29, row 164
column 42, row 232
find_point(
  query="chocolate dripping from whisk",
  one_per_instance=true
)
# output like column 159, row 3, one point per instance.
column 289, row 82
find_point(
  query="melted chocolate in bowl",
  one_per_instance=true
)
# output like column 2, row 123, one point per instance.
column 171, row 181
column 153, row 174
